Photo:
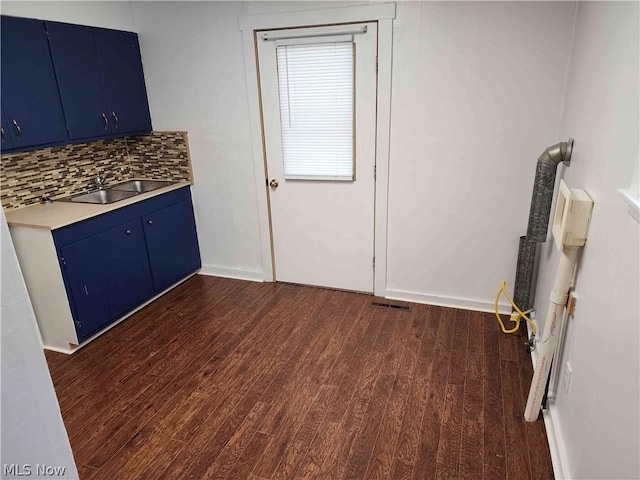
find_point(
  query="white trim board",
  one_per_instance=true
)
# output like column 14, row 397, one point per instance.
column 325, row 16
column 237, row 273
column 384, row 14
column 451, row 302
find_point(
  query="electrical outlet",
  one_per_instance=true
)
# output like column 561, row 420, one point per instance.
column 566, row 379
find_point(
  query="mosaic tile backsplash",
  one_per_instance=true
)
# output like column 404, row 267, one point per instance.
column 62, row 171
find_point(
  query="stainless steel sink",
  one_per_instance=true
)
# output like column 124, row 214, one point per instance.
column 119, row 192
column 102, row 197
column 140, row 186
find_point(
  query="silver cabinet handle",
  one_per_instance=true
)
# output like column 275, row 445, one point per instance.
column 106, row 122
column 150, row 222
column 18, row 129
column 2, row 131
column 115, row 119
column 128, row 232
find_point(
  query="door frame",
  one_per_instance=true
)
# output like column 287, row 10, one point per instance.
column 250, row 25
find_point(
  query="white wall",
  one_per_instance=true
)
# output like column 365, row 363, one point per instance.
column 598, row 421
column 477, row 90
column 32, row 429
column 195, row 74
column 194, row 69
column 117, row 15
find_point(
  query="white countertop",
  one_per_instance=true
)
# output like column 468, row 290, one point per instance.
column 60, row 214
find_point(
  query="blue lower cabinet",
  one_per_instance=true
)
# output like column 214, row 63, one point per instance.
column 116, row 261
column 127, row 268
column 88, row 287
column 108, row 274
column 172, row 243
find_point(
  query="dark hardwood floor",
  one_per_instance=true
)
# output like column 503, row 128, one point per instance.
column 229, row 379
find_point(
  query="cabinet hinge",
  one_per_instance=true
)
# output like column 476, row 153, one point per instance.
column 63, row 261
column 376, row 64
column 266, row 182
column 374, row 262
column 375, row 172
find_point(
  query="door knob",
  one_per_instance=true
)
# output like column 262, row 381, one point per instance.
column 274, row 183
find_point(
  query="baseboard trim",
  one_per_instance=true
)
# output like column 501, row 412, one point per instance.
column 66, row 351
column 238, row 274
column 554, row 437
column 74, row 348
column 442, row 301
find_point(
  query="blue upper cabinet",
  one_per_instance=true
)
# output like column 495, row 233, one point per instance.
column 65, row 83
column 30, row 100
column 123, row 79
column 4, row 133
column 100, row 79
column 79, row 79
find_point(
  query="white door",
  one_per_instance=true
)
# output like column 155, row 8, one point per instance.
column 318, row 93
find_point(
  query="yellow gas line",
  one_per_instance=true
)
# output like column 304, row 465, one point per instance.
column 514, row 318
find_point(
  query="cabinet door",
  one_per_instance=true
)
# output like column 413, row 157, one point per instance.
column 84, row 266
column 79, row 79
column 121, row 66
column 127, row 269
column 30, row 96
column 4, row 133
column 108, row 274
column 172, row 243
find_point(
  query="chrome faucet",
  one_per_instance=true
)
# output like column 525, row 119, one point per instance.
column 101, row 179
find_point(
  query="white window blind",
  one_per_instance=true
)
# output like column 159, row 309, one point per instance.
column 316, row 86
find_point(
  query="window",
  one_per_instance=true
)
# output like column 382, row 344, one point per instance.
column 316, row 88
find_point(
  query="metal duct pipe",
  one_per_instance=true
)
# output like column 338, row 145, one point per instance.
column 543, row 185
column 539, row 214
column 524, row 274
